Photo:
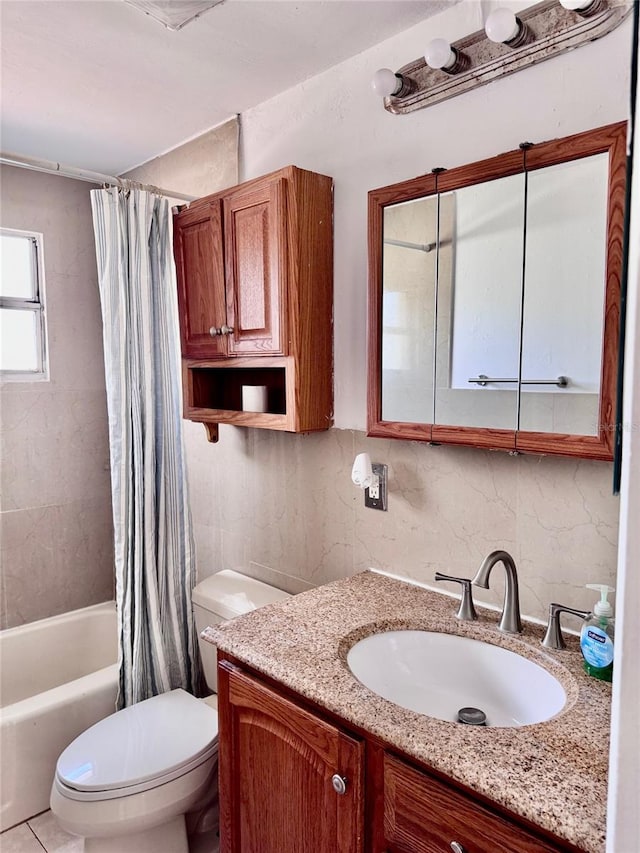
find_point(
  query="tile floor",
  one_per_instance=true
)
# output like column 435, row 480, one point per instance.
column 40, row 833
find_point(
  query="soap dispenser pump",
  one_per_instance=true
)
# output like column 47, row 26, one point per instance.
column 596, row 637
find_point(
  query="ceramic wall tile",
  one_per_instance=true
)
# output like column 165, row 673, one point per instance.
column 287, row 505
column 208, row 541
column 57, row 547
column 567, row 530
column 281, row 580
column 56, row 558
column 55, row 447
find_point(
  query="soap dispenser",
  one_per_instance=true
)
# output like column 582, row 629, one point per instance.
column 596, row 637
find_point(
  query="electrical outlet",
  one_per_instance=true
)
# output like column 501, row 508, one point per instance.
column 375, row 497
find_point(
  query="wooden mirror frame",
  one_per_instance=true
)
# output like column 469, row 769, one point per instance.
column 610, row 139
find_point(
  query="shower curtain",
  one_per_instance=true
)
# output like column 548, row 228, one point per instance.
column 153, row 540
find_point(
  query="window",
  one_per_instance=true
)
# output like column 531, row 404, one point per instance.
column 22, row 322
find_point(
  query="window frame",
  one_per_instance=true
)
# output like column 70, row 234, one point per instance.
column 36, row 305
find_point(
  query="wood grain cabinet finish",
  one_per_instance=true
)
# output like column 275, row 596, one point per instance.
column 255, row 293
column 424, row 815
column 200, row 271
column 278, row 757
column 277, row 763
column 255, row 248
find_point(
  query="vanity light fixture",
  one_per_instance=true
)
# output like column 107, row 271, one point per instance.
column 586, row 8
column 503, row 27
column 440, row 54
column 506, row 44
column 386, row 84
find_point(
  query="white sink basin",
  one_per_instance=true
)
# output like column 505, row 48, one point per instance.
column 439, row 674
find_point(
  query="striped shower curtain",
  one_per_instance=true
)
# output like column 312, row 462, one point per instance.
column 154, row 551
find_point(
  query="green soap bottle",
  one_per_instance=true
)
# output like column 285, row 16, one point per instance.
column 596, row 636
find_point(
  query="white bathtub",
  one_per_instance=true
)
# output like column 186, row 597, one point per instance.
column 58, row 677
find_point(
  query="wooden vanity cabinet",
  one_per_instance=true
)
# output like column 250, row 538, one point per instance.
column 278, row 766
column 424, row 815
column 255, row 291
column 278, row 759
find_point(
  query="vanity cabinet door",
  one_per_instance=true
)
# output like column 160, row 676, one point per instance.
column 278, row 767
column 424, row 815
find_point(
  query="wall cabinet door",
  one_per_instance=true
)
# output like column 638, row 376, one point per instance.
column 231, row 261
column 277, row 768
column 201, row 287
column 256, row 266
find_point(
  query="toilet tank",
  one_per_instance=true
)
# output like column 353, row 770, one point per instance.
column 224, row 596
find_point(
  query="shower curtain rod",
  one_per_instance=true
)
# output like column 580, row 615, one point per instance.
column 38, row 165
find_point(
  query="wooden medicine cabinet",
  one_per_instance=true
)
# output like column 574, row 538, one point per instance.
column 494, row 300
column 255, row 293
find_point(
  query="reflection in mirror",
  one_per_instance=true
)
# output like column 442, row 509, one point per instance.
column 408, row 310
column 479, row 305
column 564, row 295
column 522, row 290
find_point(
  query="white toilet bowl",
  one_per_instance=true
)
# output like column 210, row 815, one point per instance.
column 139, row 779
column 118, row 789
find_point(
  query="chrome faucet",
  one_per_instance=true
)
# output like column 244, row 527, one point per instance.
column 510, row 620
column 466, row 611
column 553, row 638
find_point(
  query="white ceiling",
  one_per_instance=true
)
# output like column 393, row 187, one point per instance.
column 97, row 84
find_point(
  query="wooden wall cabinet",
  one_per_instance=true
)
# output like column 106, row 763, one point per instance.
column 255, row 292
column 278, row 756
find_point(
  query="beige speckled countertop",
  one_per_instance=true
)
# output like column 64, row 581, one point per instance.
column 553, row 773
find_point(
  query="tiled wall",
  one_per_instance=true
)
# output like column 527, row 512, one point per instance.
column 283, row 508
column 55, row 499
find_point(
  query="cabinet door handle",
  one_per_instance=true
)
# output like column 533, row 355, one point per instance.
column 213, row 331
column 225, row 330
column 457, row 847
column 340, row 784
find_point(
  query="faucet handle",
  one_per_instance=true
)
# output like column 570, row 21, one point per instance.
column 553, row 638
column 466, row 611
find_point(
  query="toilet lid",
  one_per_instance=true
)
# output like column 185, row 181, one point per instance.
column 143, row 745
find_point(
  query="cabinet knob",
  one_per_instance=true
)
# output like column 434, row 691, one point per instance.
column 457, row 847
column 213, row 331
column 225, row 330
column 340, row 784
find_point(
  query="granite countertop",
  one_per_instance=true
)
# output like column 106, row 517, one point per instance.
column 552, row 773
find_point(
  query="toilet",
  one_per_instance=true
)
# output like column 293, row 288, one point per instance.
column 145, row 779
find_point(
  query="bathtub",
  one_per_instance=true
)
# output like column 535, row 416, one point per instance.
column 58, row 676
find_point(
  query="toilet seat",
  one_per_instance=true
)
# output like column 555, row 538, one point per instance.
column 120, row 755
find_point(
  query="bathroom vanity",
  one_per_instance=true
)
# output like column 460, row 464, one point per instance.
column 311, row 760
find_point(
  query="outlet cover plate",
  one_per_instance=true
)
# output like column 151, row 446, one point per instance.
column 379, row 502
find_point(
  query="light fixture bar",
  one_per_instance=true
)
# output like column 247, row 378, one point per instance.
column 553, row 28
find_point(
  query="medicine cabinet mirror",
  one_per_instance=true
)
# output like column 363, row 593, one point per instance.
column 494, row 300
